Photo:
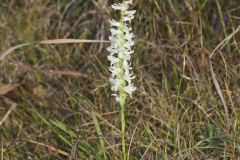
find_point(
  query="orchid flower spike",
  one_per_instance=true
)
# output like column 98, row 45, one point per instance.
column 120, row 52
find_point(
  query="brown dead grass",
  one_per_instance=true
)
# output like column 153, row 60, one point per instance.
column 176, row 113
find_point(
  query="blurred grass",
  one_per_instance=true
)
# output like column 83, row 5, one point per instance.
column 176, row 112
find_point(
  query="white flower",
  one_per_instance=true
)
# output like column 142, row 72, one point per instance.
column 115, row 84
column 115, row 23
column 129, row 15
column 122, row 6
column 113, row 59
column 129, row 89
column 120, row 52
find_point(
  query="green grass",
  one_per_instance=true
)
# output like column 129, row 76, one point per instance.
column 176, row 112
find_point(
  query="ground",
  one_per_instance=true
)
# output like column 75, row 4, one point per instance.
column 55, row 99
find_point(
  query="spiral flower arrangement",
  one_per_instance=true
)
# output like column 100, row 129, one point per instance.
column 120, row 55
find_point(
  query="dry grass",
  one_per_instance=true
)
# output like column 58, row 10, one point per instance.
column 185, row 107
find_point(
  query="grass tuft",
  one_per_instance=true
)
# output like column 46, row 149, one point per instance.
column 187, row 65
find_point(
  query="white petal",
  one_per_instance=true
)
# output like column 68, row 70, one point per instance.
column 130, row 13
column 115, row 23
column 121, row 7
column 115, row 31
column 115, row 84
column 113, row 59
column 129, row 89
column 117, row 98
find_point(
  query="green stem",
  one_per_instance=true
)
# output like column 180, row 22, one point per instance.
column 122, row 108
column 122, row 94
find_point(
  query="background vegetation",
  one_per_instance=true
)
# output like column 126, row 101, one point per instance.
column 55, row 100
